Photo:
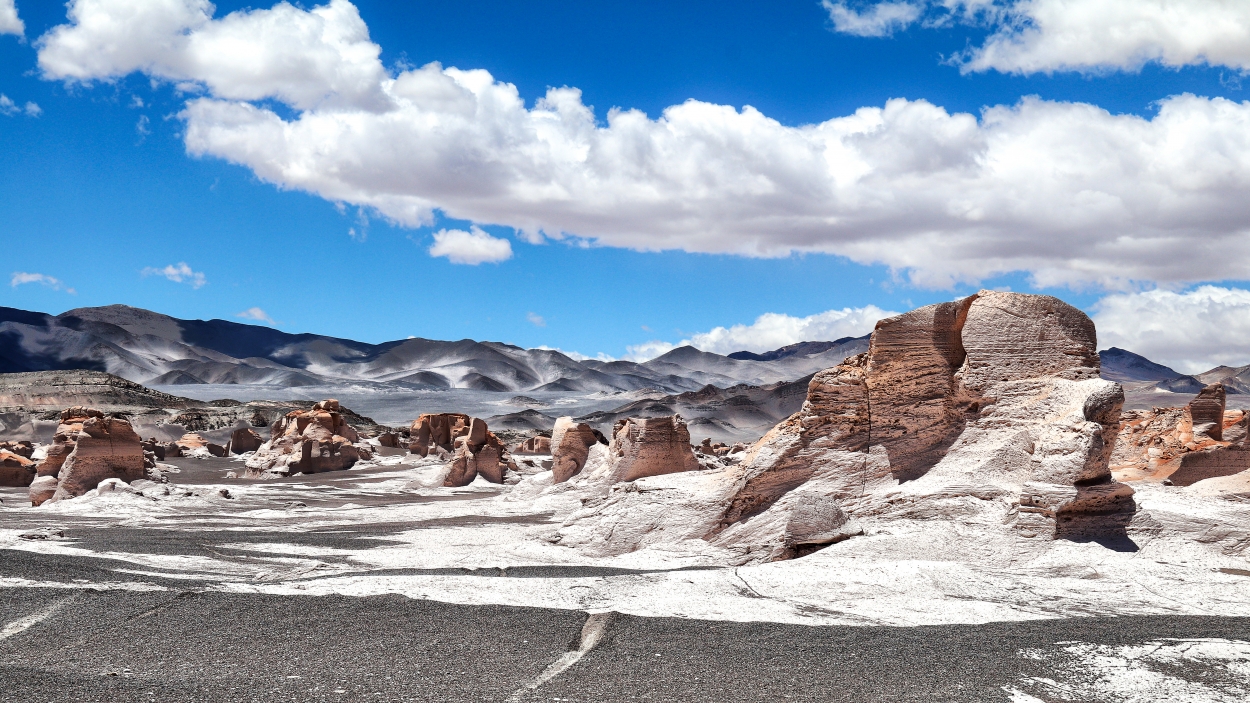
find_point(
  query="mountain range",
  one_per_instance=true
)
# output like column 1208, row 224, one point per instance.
column 158, row 350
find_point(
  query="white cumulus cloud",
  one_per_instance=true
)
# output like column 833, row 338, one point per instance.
column 9, row 108
column 1068, row 192
column 1190, row 331
column 473, row 247
column 21, row 278
column 879, row 20
column 536, row 319
column 10, row 23
column 178, row 273
column 257, row 314
column 1044, row 36
column 772, row 331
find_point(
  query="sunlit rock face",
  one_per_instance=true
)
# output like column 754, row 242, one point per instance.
column 994, row 398
column 309, row 441
column 570, row 445
column 88, row 447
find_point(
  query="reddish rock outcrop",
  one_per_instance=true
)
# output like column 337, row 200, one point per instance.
column 191, row 444
column 477, row 453
column 390, row 440
column 21, row 448
column 309, row 441
column 570, row 447
column 88, row 447
column 1183, row 446
column 432, row 432
column 244, row 440
column 650, row 446
column 534, row 446
column 15, row 470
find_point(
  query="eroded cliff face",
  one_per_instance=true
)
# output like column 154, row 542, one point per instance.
column 995, row 397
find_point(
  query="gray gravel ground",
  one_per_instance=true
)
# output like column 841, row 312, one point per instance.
column 205, row 646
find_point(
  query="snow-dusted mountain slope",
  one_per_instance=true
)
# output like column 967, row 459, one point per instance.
column 150, row 348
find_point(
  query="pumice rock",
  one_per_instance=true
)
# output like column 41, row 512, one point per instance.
column 15, row 469
column 534, row 446
column 478, row 453
column 437, row 431
column 88, row 448
column 570, row 447
column 994, row 398
column 244, row 440
column 309, row 441
column 651, row 446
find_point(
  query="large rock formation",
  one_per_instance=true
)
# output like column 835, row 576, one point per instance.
column 994, row 397
column 1183, row 446
column 309, row 441
column 650, row 446
column 194, row 444
column 433, row 432
column 570, row 447
column 244, row 440
column 88, row 447
column 477, row 453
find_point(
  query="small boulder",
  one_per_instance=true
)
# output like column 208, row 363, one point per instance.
column 244, row 440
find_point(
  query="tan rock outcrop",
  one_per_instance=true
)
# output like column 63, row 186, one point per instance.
column 994, row 398
column 650, row 446
column 244, row 440
column 87, row 449
column 308, row 441
column 15, row 470
column 21, row 448
column 534, row 446
column 192, row 443
column 432, row 432
column 570, row 447
column 390, row 440
column 477, row 452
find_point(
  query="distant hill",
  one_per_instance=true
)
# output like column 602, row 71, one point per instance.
column 154, row 349
column 806, row 349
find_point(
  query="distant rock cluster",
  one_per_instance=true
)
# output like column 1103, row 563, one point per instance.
column 471, row 447
column 309, row 441
column 1182, row 446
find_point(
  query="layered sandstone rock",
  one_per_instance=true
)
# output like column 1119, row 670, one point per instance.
column 88, row 448
column 651, row 446
column 15, row 470
column 534, row 446
column 436, row 433
column 570, row 447
column 994, row 398
column 477, row 453
column 309, row 441
column 244, row 440
column 1183, row 446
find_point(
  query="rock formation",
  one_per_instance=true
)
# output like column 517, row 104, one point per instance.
column 432, row 432
column 995, row 397
column 192, row 444
column 570, row 447
column 650, row 446
column 15, row 469
column 477, row 453
column 390, row 440
column 308, row 441
column 534, row 446
column 1183, row 446
column 244, row 440
column 21, row 448
column 88, row 447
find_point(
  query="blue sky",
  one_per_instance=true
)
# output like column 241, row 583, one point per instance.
column 99, row 193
